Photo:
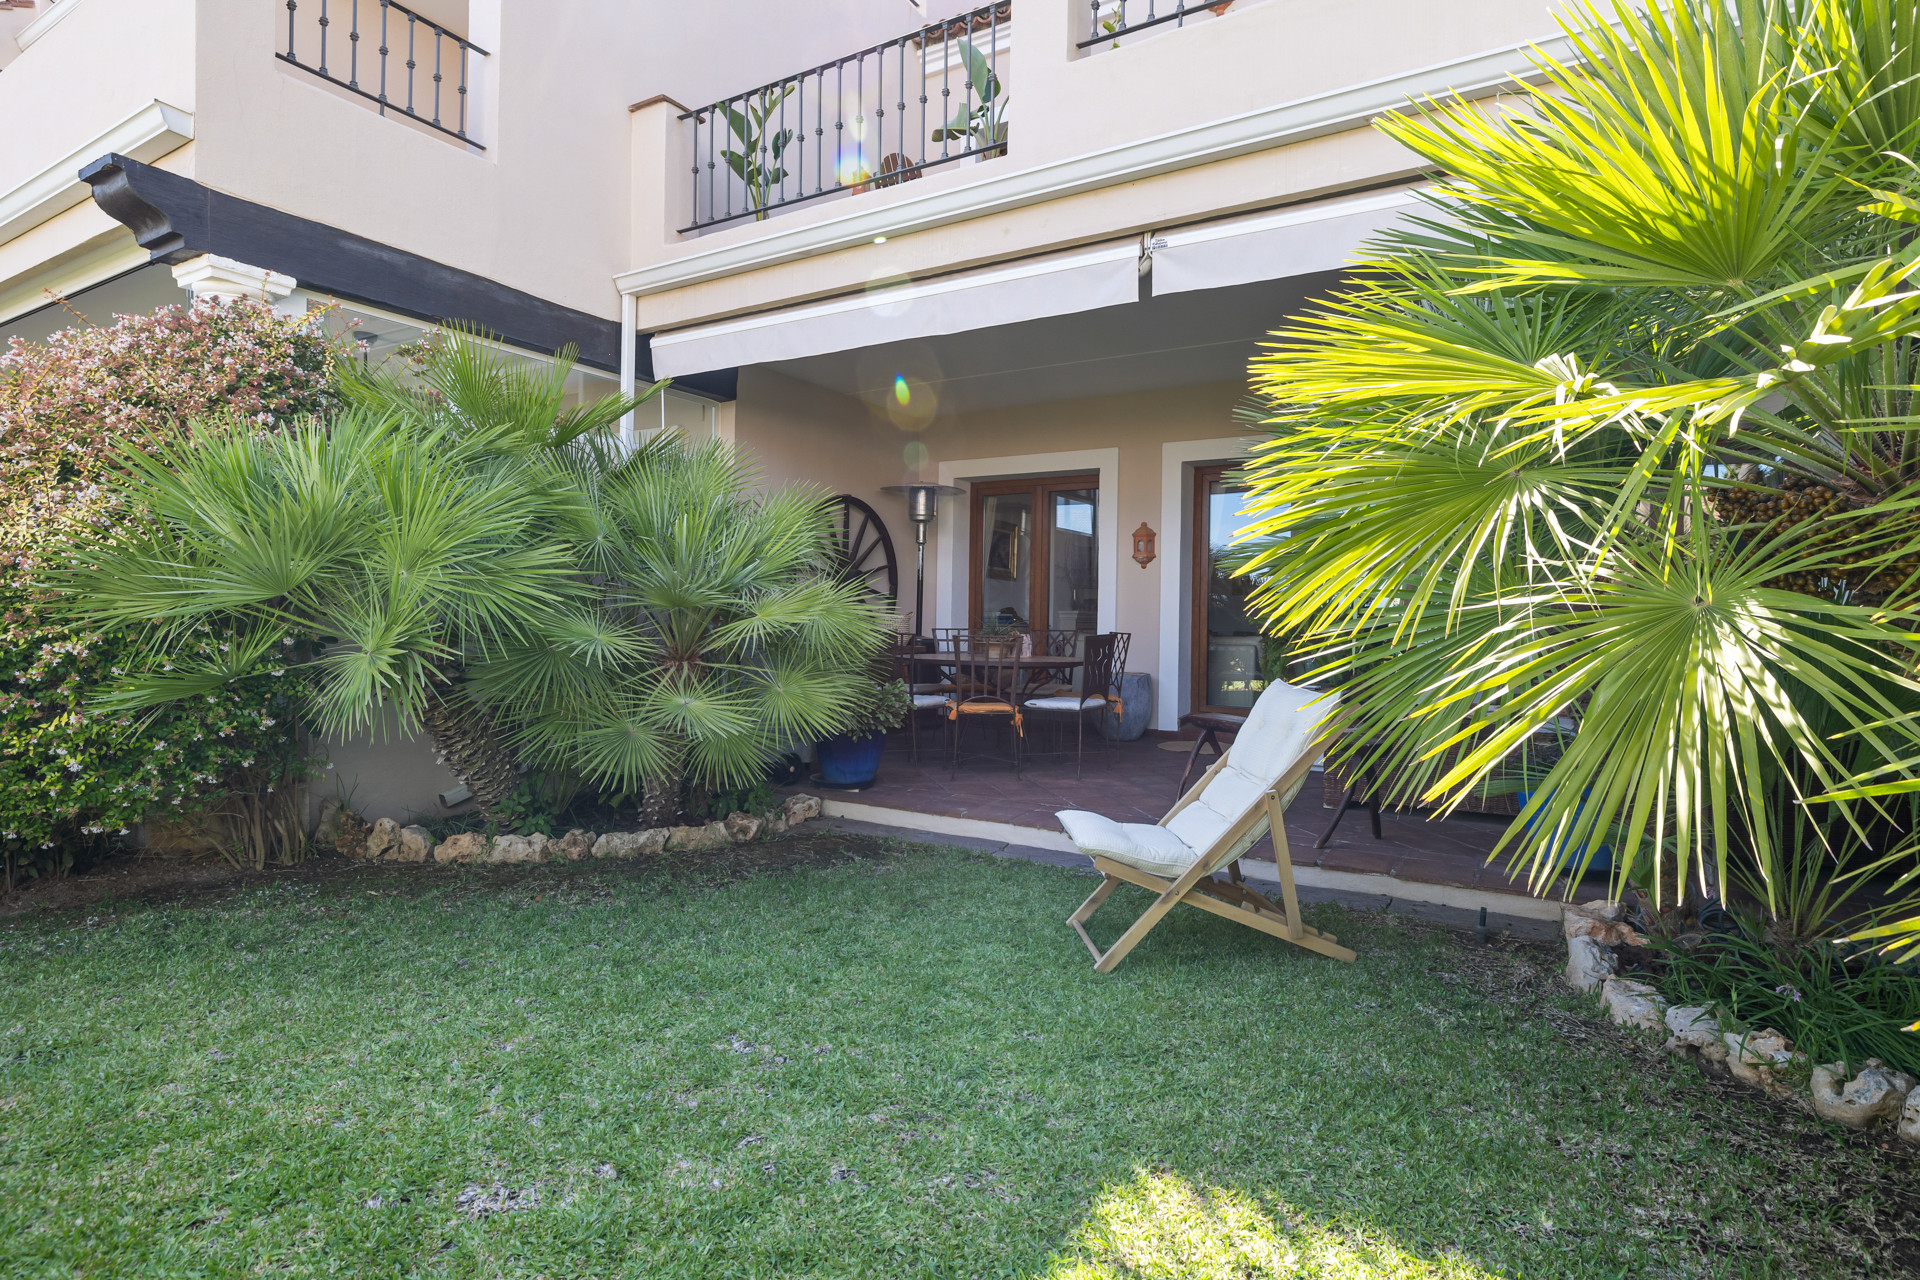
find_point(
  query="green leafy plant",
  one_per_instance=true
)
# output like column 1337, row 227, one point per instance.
column 219, row 771
column 981, row 122
column 757, row 157
column 413, row 535
column 880, row 706
column 717, row 633
column 1833, row 1006
column 1624, row 431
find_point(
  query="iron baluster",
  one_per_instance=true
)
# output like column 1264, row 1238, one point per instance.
column 411, row 64
column 436, row 77
column 323, row 37
column 353, row 49
column 463, row 88
column 384, row 6
column 946, row 85
column 291, row 6
column 819, row 132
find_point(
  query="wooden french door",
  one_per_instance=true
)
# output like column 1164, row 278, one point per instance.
column 1229, row 652
column 1035, row 561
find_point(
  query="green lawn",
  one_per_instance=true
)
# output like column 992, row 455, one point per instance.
column 898, row 1066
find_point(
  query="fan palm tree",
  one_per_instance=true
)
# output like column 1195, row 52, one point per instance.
column 382, row 556
column 717, row 634
column 1622, row 434
column 409, row 538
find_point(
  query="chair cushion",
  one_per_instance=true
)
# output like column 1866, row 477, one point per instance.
column 1279, row 729
column 925, row 701
column 1065, row 704
column 1152, row 849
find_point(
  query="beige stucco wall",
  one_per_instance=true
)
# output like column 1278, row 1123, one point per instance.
column 1068, row 105
column 90, row 71
column 793, row 429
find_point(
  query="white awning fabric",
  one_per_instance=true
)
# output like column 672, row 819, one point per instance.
column 1272, row 246
column 1059, row 284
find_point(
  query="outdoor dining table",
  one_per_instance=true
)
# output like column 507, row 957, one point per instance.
column 1025, row 663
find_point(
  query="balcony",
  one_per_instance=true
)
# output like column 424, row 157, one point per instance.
column 1114, row 20
column 405, row 71
column 876, row 118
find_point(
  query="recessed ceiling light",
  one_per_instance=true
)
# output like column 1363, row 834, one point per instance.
column 879, row 239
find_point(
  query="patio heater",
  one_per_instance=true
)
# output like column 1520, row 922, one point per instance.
column 922, row 499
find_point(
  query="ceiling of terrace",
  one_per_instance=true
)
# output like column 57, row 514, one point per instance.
column 1183, row 339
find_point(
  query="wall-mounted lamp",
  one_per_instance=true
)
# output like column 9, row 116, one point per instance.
column 1143, row 553
column 922, row 502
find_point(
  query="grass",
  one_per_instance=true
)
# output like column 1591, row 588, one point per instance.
column 899, row 1066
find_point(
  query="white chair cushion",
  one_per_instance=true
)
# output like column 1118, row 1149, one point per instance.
column 1155, row 850
column 1279, row 730
column 1068, row 703
column 926, row 701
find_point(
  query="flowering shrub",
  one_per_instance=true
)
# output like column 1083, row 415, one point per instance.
column 66, row 405
column 71, row 777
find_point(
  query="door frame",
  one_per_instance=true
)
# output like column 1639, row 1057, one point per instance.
column 953, row 530
column 1040, row 536
column 1199, row 604
column 1175, row 590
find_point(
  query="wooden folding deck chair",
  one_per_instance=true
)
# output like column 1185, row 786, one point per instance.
column 1244, row 795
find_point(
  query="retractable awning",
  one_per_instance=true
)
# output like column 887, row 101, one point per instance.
column 1294, row 241
column 1057, row 284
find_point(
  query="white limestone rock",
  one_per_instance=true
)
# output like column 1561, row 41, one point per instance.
column 1757, row 1058
column 1909, row 1126
column 800, row 808
column 1694, row 1024
column 711, row 836
column 1588, row 964
column 742, row 827
column 467, row 846
column 531, row 848
column 413, row 844
column 1876, row 1094
column 630, row 844
column 573, row 846
column 1634, row 1004
column 383, row 839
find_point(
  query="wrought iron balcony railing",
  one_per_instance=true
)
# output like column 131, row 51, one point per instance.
column 875, row 118
column 1112, row 23
column 408, row 68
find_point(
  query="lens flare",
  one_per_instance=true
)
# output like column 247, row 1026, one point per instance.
column 901, row 391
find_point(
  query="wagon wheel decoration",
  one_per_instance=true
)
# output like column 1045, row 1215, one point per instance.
column 860, row 549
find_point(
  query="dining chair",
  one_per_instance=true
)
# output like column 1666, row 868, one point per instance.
column 926, row 695
column 986, row 689
column 1103, row 662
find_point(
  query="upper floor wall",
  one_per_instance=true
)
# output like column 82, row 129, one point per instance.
column 1075, row 134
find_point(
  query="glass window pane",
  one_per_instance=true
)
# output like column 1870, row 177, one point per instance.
column 1073, row 571
column 1236, row 651
column 1006, row 558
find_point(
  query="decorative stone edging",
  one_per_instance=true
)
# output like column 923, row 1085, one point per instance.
column 388, row 841
column 1763, row 1059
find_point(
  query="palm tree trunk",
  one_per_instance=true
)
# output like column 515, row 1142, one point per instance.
column 660, row 794
column 467, row 743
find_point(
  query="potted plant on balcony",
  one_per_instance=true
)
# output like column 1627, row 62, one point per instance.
column 758, row 160
column 850, row 760
column 983, row 124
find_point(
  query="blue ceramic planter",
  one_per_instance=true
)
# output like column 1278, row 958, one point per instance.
column 1568, row 860
column 850, row 762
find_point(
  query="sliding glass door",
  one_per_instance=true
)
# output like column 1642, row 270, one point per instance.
column 1036, row 553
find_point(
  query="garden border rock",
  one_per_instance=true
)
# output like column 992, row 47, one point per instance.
column 1763, row 1059
column 388, row 841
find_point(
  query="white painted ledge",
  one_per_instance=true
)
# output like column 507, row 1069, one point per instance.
column 146, row 135
column 1301, row 120
column 56, row 12
column 1440, row 895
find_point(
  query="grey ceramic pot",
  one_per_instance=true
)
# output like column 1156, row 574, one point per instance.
column 1136, row 706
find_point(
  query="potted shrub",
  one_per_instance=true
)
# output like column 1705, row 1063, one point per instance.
column 850, row 760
